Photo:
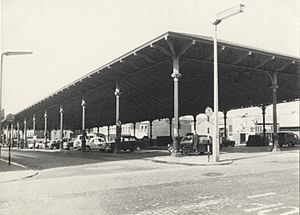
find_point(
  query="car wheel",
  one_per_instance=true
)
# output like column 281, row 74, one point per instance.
column 186, row 150
column 87, row 148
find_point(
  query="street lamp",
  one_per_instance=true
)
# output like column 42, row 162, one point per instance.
column 219, row 17
column 2, row 55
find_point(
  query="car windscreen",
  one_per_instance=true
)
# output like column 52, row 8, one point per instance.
column 187, row 138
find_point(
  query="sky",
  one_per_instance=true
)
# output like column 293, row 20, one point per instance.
column 70, row 38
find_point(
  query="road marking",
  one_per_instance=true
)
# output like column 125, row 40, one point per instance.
column 263, row 212
column 261, row 195
column 294, row 211
column 16, row 164
column 261, row 206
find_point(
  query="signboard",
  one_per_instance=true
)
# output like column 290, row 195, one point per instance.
column 208, row 112
column 10, row 118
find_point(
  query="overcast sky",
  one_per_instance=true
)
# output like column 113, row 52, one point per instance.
column 70, row 38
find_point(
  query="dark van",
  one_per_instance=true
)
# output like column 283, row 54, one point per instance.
column 257, row 140
column 186, row 144
column 289, row 139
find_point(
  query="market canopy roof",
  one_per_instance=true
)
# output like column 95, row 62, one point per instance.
column 146, row 85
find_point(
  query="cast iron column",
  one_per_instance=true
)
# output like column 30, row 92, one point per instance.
column 134, row 127
column 263, row 108
column 150, row 131
column 61, row 111
column 18, row 135
column 118, row 122
column 195, row 122
column 25, row 134
column 33, row 128
column 33, row 124
column 176, row 75
column 83, row 104
column 7, row 134
column 225, row 124
column 108, row 134
column 275, row 146
column 45, row 128
column 170, row 123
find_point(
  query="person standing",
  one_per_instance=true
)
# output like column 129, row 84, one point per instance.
column 195, row 142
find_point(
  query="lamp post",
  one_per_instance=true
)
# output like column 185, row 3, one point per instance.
column 9, row 53
column 219, row 17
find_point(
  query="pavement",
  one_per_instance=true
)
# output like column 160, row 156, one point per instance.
column 256, row 182
column 14, row 172
column 227, row 156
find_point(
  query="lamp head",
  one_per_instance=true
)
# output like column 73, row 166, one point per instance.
column 9, row 53
column 229, row 13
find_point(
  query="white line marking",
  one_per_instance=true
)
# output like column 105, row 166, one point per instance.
column 13, row 163
column 294, row 211
column 261, row 195
column 263, row 212
column 261, row 207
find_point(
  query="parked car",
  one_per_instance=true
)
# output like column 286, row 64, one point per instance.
column 30, row 143
column 289, row 139
column 77, row 142
column 186, row 144
column 40, row 144
column 130, row 143
column 68, row 144
column 257, row 140
column 54, row 144
column 227, row 142
column 96, row 143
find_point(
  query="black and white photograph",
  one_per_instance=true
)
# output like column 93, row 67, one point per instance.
column 150, row 107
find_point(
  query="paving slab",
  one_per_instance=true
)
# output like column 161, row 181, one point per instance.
column 16, row 175
column 14, row 172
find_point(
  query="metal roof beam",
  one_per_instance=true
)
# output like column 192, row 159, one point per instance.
column 264, row 62
column 285, row 66
column 236, row 66
column 135, row 67
column 211, row 56
column 163, row 50
column 241, row 58
column 146, row 58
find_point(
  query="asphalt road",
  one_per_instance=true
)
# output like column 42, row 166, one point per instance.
column 129, row 184
column 39, row 160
